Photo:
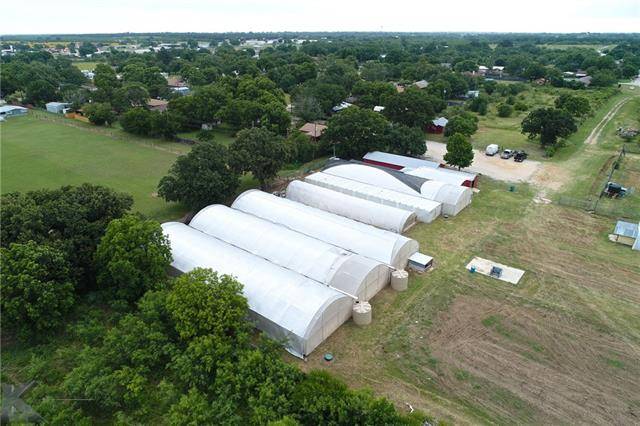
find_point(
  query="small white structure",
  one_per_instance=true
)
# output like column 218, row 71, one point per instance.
column 425, row 210
column 383, row 246
column 379, row 215
column 495, row 270
column 57, row 107
column 285, row 305
column 378, row 108
column 347, row 272
column 453, row 198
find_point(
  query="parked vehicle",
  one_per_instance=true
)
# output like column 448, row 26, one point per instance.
column 506, row 154
column 492, row 150
column 520, row 156
column 615, row 190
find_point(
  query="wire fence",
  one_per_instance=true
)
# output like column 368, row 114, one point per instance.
column 602, row 205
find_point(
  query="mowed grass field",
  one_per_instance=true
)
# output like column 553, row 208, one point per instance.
column 561, row 347
column 43, row 151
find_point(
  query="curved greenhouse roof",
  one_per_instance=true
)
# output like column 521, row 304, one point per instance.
column 426, row 210
column 379, row 215
column 453, row 198
column 384, row 246
column 284, row 304
column 442, row 175
column 345, row 271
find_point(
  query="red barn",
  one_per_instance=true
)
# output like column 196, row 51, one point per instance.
column 437, row 125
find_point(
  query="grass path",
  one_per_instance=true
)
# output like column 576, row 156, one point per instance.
column 597, row 131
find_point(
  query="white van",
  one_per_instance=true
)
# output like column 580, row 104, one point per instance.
column 492, row 150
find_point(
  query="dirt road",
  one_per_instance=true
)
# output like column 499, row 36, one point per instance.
column 595, row 133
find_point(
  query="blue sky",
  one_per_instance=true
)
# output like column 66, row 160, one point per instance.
column 87, row 16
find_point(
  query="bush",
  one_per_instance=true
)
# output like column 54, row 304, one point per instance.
column 521, row 106
column 37, row 288
column 132, row 257
column 99, row 113
column 504, row 110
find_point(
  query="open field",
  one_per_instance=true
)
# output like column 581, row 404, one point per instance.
column 85, row 65
column 222, row 135
column 43, row 152
column 560, row 347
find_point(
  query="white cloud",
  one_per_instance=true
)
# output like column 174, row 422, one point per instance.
column 76, row 16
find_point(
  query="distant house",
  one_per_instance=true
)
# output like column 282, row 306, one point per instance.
column 12, row 111
column 175, row 81
column 157, row 105
column 482, row 69
column 88, row 74
column 341, row 106
column 184, row 90
column 313, row 130
column 421, row 84
column 581, row 73
column 497, row 70
column 378, row 108
column 437, row 125
column 586, row 80
column 58, row 107
column 399, row 87
column 627, row 233
column 472, row 94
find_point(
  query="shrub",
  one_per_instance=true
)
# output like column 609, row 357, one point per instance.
column 504, row 110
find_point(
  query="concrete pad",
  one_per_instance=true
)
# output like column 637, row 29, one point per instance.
column 483, row 266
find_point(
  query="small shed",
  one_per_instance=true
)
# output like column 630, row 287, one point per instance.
column 184, row 90
column 437, row 125
column 627, row 233
column 421, row 84
column 58, row 107
column 12, row 110
column 378, row 108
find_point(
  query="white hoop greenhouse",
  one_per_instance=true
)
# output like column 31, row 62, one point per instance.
column 284, row 304
column 350, row 273
column 384, row 246
column 426, row 210
column 379, row 215
column 453, row 198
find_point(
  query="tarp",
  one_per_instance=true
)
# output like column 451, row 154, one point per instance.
column 333, row 266
column 384, row 246
column 285, row 305
column 369, row 212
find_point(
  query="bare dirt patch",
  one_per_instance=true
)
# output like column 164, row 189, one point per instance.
column 562, row 370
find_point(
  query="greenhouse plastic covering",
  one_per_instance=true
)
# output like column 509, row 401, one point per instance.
column 377, row 244
column 285, row 305
column 343, row 270
column 426, row 210
column 379, row 215
column 453, row 198
column 440, row 174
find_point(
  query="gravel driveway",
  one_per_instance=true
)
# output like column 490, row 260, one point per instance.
column 494, row 167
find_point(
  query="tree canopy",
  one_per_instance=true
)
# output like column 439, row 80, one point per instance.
column 258, row 151
column 550, row 124
column 201, row 177
column 356, row 131
column 459, row 151
column 132, row 257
